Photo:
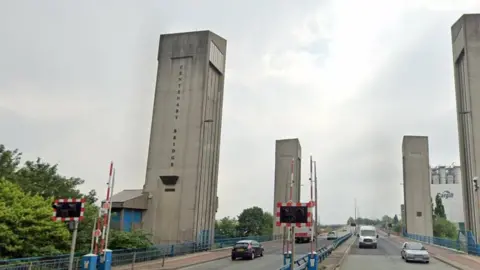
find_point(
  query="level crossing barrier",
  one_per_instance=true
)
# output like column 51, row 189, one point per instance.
column 312, row 260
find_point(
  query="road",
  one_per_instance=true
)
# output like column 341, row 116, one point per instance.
column 386, row 256
column 272, row 259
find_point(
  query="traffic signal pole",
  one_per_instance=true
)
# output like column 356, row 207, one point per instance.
column 74, row 242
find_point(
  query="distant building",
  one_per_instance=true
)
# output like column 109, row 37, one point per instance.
column 446, row 181
column 445, row 174
column 128, row 208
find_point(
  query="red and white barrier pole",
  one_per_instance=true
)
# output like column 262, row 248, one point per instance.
column 106, row 207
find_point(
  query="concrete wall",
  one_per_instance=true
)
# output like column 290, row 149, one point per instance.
column 285, row 150
column 466, row 61
column 416, row 185
column 185, row 137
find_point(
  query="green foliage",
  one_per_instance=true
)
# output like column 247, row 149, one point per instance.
column 367, row 221
column 439, row 210
column 133, row 239
column 26, row 194
column 267, row 226
column 251, row 221
column 395, row 219
column 350, row 220
column 227, row 227
column 444, row 228
column 85, row 228
column 26, row 228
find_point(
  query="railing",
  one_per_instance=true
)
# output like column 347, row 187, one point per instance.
column 468, row 244
column 126, row 256
column 323, row 253
column 42, row 264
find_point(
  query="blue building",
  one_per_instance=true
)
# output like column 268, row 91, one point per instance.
column 128, row 208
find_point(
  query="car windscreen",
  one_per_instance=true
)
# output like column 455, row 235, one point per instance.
column 241, row 245
column 331, row 233
column 368, row 233
column 415, row 246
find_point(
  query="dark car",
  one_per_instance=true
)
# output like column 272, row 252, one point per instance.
column 247, row 249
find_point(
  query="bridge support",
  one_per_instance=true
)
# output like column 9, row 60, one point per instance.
column 312, row 261
column 287, row 259
column 106, row 260
column 89, row 262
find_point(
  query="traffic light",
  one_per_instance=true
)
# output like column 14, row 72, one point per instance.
column 353, row 224
column 67, row 210
column 293, row 214
column 475, row 184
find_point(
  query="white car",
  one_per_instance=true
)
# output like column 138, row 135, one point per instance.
column 332, row 236
column 367, row 237
column 413, row 251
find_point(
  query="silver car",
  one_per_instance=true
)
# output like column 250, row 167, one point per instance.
column 413, row 251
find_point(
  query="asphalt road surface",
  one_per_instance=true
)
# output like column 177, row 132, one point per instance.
column 272, row 259
column 386, row 256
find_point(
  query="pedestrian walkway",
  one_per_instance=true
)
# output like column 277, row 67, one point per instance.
column 179, row 262
column 453, row 258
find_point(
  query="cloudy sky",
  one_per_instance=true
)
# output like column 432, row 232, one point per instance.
column 349, row 78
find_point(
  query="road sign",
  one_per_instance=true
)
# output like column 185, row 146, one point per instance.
column 294, row 214
column 97, row 233
column 106, row 205
column 71, row 209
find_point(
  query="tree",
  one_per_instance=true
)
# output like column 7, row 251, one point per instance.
column 439, row 210
column 39, row 177
column 26, row 228
column 133, row 239
column 267, row 226
column 251, row 221
column 9, row 161
column 350, row 220
column 395, row 219
column 226, row 227
column 444, row 228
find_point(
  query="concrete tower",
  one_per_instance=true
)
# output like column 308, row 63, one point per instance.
column 416, row 185
column 285, row 151
column 466, row 61
column 183, row 155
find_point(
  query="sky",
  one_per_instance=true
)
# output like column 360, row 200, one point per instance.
column 348, row 78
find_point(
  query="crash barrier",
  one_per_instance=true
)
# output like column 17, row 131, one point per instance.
column 465, row 242
column 312, row 260
column 123, row 256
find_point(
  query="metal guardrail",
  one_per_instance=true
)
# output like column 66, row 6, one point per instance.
column 323, row 253
column 469, row 244
column 126, row 256
column 60, row 264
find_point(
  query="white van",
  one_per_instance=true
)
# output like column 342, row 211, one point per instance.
column 367, row 236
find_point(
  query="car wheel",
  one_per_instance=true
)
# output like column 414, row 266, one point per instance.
column 233, row 258
column 261, row 253
column 253, row 256
column 427, row 262
column 375, row 246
